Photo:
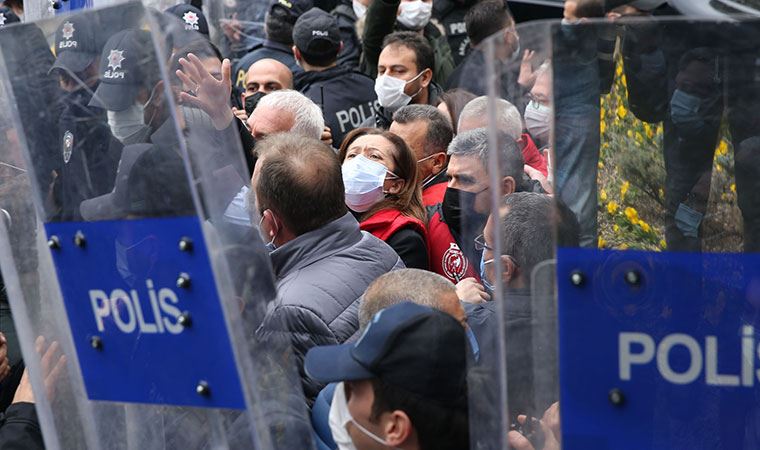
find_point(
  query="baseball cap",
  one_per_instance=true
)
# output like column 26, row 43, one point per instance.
column 127, row 63
column 76, row 45
column 115, row 204
column 190, row 19
column 316, row 33
column 412, row 347
column 293, row 8
column 7, row 17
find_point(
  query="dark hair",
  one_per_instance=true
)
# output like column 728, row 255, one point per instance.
column 322, row 60
column 300, row 180
column 423, row 52
column 474, row 143
column 409, row 200
column 589, row 8
column 527, row 230
column 201, row 48
column 567, row 227
column 438, row 427
column 439, row 131
column 455, row 100
column 279, row 26
column 485, row 19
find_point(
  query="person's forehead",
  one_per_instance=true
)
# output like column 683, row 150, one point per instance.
column 411, row 130
column 264, row 73
column 469, row 164
column 397, row 55
column 372, row 140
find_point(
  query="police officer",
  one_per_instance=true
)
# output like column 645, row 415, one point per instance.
column 347, row 14
column 347, row 97
column 278, row 44
column 450, row 13
column 89, row 153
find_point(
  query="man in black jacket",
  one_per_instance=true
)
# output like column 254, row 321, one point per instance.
column 347, row 97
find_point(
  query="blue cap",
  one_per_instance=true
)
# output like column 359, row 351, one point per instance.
column 414, row 348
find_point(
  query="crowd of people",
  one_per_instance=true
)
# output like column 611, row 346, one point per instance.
column 356, row 144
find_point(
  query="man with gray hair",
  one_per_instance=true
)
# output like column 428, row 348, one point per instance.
column 286, row 111
column 508, row 121
column 428, row 133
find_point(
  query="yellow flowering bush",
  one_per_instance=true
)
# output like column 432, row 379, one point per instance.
column 631, row 179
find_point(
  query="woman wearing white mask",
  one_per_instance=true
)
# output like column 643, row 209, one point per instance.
column 380, row 181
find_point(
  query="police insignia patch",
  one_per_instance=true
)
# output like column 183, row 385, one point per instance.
column 68, row 146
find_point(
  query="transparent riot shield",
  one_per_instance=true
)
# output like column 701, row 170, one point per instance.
column 137, row 278
column 655, row 153
column 502, row 218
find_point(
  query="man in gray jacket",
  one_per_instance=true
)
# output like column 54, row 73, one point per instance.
column 321, row 259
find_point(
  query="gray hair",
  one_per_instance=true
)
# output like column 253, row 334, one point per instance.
column 308, row 121
column 508, row 118
column 439, row 132
column 404, row 285
column 475, row 143
column 527, row 230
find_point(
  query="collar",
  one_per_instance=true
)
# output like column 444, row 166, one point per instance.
column 278, row 46
column 316, row 245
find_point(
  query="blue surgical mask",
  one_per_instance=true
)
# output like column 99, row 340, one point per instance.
column 688, row 220
column 483, row 278
column 685, row 112
column 269, row 245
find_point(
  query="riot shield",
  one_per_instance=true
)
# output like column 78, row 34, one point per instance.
column 654, row 152
column 137, row 279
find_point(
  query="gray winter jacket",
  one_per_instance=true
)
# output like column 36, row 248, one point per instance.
column 320, row 277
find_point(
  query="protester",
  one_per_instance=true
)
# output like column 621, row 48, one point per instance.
column 321, row 259
column 404, row 76
column 286, row 110
column 89, row 152
column 509, row 121
column 452, row 102
column 386, row 16
column 263, row 77
column 538, row 112
column 380, row 180
column 467, row 202
column 403, row 384
column 346, row 97
column 278, row 44
column 428, row 134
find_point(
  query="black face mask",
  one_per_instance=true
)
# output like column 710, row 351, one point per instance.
column 463, row 221
column 251, row 101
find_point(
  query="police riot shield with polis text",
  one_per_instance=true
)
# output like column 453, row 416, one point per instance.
column 136, row 274
column 657, row 306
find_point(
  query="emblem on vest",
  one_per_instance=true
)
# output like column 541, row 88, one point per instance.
column 454, row 263
column 2, row 19
column 191, row 20
column 115, row 58
column 67, row 32
column 68, row 146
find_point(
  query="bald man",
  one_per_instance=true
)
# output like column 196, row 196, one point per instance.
column 265, row 76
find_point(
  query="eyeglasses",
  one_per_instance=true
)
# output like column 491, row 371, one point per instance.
column 480, row 243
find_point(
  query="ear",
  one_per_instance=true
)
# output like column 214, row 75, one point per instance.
column 296, row 53
column 439, row 161
column 427, row 77
column 271, row 222
column 395, row 186
column 510, row 269
column 508, row 186
column 340, row 49
column 398, row 429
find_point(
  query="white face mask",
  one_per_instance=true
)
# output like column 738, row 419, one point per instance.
column 339, row 418
column 127, row 122
column 359, row 9
column 538, row 119
column 415, row 14
column 363, row 180
column 390, row 92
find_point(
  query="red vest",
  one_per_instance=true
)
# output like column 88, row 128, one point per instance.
column 445, row 256
column 531, row 155
column 384, row 223
column 433, row 195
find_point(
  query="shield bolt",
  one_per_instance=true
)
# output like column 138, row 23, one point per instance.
column 54, row 242
column 633, row 278
column 616, row 397
column 96, row 342
column 577, row 278
column 185, row 320
column 183, row 281
column 80, row 240
column 185, row 244
column 203, row 388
